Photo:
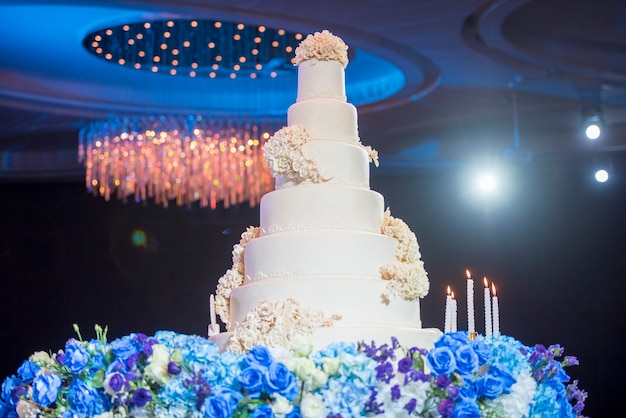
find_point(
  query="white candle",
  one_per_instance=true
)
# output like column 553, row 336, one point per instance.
column 471, row 327
column 212, row 309
column 454, row 314
column 447, row 323
column 214, row 327
column 488, row 323
column 496, row 312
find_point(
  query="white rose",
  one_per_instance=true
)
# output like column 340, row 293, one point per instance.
column 303, row 368
column 312, row 406
column 156, row 370
column 331, row 365
column 303, row 345
column 319, row 378
column 281, row 405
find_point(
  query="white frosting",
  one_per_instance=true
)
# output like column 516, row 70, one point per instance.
column 321, row 79
column 321, row 206
column 338, row 163
column 357, row 300
column 318, row 253
column 325, row 119
column 325, row 245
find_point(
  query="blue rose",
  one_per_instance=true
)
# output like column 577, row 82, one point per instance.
column 282, row 380
column 466, row 360
column 259, row 356
column 27, row 371
column 76, row 356
column 295, row 413
column 262, row 411
column 482, row 350
column 441, row 360
column 252, row 380
column 222, row 404
column 466, row 408
column 452, row 340
column 46, row 388
column 85, row 400
column 494, row 383
column 124, row 347
column 12, row 389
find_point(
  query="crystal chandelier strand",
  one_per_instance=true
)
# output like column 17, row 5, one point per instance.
column 172, row 159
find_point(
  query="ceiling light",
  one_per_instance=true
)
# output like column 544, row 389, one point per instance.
column 593, row 123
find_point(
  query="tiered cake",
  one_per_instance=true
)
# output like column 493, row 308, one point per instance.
column 327, row 260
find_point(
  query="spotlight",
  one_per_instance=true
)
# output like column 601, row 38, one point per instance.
column 487, row 183
column 593, row 123
column 602, row 176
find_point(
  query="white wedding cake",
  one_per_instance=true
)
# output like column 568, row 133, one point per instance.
column 327, row 261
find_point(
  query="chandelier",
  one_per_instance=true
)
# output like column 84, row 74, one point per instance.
column 179, row 157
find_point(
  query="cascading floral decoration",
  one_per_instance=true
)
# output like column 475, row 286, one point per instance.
column 175, row 375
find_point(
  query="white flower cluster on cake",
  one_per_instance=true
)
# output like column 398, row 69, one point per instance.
column 233, row 278
column 322, row 46
column 284, row 155
column 407, row 278
column 277, row 323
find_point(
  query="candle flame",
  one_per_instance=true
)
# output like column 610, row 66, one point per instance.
column 468, row 274
column 449, row 291
column 493, row 289
column 486, row 282
column 452, row 294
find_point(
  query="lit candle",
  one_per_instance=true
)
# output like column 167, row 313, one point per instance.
column 496, row 312
column 447, row 323
column 454, row 313
column 214, row 327
column 471, row 327
column 488, row 323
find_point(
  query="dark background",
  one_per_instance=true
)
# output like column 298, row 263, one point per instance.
column 554, row 247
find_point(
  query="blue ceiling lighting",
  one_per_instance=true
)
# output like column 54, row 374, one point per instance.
column 98, row 61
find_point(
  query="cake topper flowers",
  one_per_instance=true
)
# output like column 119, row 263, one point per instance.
column 322, row 46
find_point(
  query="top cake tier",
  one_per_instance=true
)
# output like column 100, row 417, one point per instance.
column 321, row 59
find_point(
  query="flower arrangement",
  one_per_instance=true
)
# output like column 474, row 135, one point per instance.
column 322, row 46
column 174, row 375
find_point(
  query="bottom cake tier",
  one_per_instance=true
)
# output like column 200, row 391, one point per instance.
column 407, row 336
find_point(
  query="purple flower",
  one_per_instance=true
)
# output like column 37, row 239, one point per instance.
column 27, row 371
column 410, row 406
column 441, row 360
column 46, row 388
column 280, row 379
column 141, row 397
column 251, row 380
column 384, row 372
column 76, row 356
column 395, row 393
column 446, row 407
column 173, row 368
column 115, row 382
column 443, row 380
column 405, row 365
